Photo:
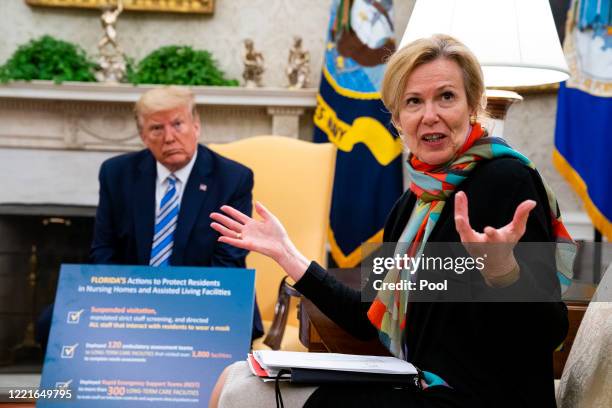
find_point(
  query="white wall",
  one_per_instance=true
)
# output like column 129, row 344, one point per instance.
column 50, row 176
column 272, row 24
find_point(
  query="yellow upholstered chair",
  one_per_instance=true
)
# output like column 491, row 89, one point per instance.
column 294, row 180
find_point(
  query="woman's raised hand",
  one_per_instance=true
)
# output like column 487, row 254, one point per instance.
column 242, row 231
column 499, row 255
column 267, row 237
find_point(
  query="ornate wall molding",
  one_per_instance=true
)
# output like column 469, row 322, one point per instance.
column 81, row 116
column 283, row 122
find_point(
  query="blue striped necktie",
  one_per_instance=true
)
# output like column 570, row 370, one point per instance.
column 165, row 225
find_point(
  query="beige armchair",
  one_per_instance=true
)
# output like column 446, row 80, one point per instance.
column 294, row 180
column 586, row 381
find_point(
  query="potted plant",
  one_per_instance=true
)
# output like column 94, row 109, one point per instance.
column 48, row 58
column 179, row 65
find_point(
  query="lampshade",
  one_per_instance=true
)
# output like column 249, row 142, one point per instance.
column 515, row 40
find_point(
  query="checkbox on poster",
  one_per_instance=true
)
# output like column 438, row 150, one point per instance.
column 74, row 316
column 69, row 351
column 63, row 384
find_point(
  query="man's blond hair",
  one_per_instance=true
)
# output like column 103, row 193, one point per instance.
column 162, row 99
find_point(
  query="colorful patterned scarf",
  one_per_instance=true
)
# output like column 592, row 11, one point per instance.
column 432, row 186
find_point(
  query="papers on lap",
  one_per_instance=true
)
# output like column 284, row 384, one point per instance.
column 267, row 363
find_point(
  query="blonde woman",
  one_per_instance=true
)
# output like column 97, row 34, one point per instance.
column 465, row 187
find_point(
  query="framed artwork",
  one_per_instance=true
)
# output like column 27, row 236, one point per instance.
column 173, row 6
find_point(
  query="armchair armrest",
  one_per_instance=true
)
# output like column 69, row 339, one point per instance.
column 281, row 312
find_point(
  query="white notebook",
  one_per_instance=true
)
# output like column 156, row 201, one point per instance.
column 276, row 360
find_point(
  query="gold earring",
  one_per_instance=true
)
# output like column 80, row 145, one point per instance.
column 472, row 119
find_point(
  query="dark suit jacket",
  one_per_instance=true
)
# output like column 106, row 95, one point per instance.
column 126, row 212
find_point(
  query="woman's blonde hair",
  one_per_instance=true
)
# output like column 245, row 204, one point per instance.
column 165, row 98
column 403, row 62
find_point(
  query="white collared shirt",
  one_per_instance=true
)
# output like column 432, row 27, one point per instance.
column 161, row 185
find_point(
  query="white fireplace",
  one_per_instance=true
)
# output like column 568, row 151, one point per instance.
column 53, row 139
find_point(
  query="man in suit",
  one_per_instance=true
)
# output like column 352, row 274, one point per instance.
column 154, row 204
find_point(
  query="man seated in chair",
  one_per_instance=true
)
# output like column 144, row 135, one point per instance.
column 154, row 204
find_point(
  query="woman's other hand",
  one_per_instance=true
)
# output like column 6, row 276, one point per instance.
column 267, row 237
column 501, row 268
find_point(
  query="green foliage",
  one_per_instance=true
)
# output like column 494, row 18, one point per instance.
column 56, row 60
column 48, row 58
column 179, row 65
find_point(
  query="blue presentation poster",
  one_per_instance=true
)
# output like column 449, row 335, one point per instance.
column 136, row 336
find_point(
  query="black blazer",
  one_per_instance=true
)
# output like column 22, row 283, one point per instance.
column 126, row 212
column 491, row 354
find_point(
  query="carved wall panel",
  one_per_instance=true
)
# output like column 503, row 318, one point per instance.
column 78, row 116
column 222, row 124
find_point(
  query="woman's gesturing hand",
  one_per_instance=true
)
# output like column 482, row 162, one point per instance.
column 499, row 256
column 267, row 237
column 242, row 231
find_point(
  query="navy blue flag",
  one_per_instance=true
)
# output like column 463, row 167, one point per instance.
column 350, row 114
column 583, row 139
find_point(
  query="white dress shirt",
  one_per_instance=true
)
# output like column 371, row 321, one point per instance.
column 161, row 185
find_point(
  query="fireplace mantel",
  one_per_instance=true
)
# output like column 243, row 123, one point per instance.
column 205, row 95
column 93, row 116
